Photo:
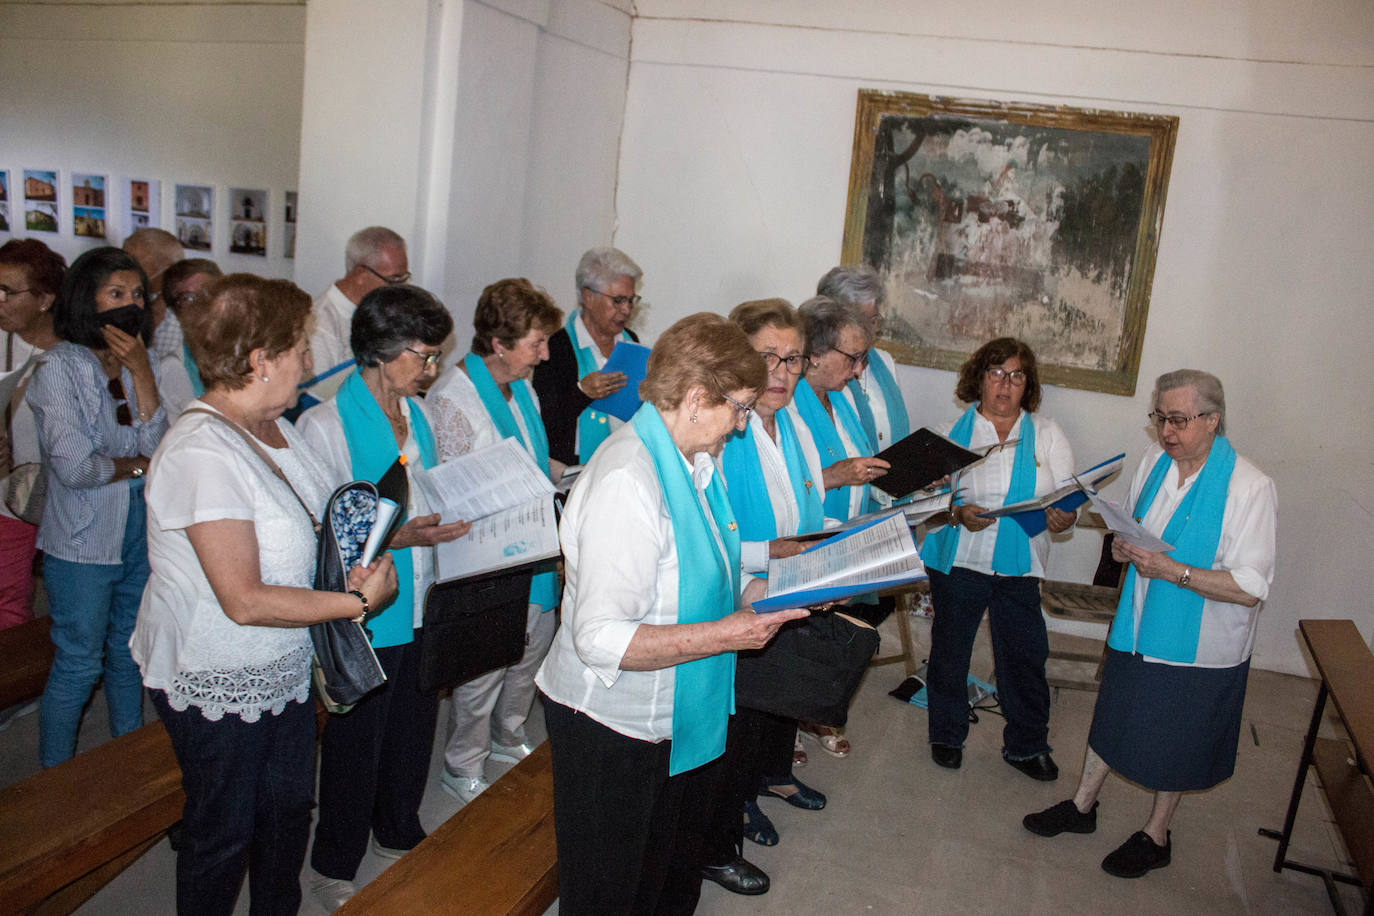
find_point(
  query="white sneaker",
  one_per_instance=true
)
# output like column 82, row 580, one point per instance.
column 463, row 788
column 387, row 852
column 511, row 753
column 331, row 893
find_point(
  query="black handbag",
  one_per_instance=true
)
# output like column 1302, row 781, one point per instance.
column 810, row 671
column 473, row 626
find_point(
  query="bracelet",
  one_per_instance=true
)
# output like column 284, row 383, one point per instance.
column 1185, row 577
column 367, row 608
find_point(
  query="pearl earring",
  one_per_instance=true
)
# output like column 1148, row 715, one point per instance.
column 694, row 418
column 263, row 377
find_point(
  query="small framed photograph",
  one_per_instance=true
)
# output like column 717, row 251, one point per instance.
column 4, row 201
column 40, row 200
column 289, row 221
column 143, row 203
column 248, row 221
column 88, row 205
column 195, row 204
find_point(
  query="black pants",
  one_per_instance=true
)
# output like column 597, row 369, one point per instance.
column 758, row 747
column 249, row 788
column 1020, row 648
column 629, row 835
column 374, row 762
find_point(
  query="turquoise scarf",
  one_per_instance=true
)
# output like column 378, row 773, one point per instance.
column 1011, row 554
column 372, row 450
column 593, row 426
column 544, row 586
column 192, row 371
column 892, row 396
column 827, row 439
column 1171, row 619
column 748, row 490
column 704, row 691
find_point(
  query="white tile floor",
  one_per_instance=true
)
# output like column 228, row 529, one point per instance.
column 900, row 835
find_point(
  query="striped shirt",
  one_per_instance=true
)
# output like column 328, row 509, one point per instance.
column 79, row 438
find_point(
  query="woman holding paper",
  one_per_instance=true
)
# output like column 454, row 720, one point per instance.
column 1178, row 654
column 771, row 474
column 837, row 341
column 374, row 760
column 607, row 293
column 978, row 563
column 221, row 636
column 637, row 686
column 483, row 399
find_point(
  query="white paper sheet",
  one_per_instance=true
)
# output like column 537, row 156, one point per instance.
column 517, row 535
column 1126, row 527
column 483, row 482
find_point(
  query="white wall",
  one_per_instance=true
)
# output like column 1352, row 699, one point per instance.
column 494, row 152
column 190, row 93
column 735, row 164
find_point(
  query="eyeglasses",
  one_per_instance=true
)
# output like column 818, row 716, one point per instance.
column 389, row 281
column 855, row 359
column 1174, row 420
column 430, row 359
column 6, row 292
column 123, row 416
column 742, row 411
column 618, row 301
column 996, row 374
column 795, row 363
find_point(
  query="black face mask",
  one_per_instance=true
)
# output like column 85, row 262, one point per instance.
column 128, row 318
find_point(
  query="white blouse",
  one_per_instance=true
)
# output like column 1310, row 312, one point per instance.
column 786, row 513
column 183, row 642
column 461, row 422
column 987, row 484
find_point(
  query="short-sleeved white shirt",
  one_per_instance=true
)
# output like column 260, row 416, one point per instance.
column 183, row 642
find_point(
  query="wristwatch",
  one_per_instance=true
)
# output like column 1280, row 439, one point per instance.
column 137, row 472
column 1185, row 577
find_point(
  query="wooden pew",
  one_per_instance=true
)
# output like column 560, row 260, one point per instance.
column 25, row 656
column 1346, row 667
column 497, row 855
column 67, row 831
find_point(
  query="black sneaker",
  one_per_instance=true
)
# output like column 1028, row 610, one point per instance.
column 1062, row 818
column 1138, row 855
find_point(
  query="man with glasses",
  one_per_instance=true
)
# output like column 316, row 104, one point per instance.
column 374, row 257
column 567, row 383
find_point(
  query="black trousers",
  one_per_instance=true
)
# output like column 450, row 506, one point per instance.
column 758, row 747
column 629, row 835
column 374, row 762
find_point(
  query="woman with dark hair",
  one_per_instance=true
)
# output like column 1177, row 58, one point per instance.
column 95, row 402
column 183, row 288
column 484, row 398
column 221, row 636
column 638, row 685
column 30, row 279
column 993, row 564
column 374, row 759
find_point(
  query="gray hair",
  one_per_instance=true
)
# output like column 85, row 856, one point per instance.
column 853, row 284
column 1210, row 396
column 599, row 267
column 823, row 319
column 366, row 244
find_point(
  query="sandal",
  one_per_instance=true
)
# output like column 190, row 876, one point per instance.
column 831, row 740
column 798, row 752
column 800, row 795
column 757, row 827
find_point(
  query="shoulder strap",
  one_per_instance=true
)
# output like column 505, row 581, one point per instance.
column 261, row 453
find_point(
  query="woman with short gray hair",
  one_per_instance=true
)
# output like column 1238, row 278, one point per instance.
column 1178, row 653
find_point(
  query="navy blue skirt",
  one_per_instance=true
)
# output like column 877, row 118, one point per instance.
column 1170, row 728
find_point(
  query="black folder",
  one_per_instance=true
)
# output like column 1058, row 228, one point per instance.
column 920, row 460
column 473, row 626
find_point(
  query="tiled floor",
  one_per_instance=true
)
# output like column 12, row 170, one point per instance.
column 900, row 835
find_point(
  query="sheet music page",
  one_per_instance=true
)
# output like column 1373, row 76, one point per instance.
column 859, row 557
column 483, row 482
column 1126, row 527
column 507, row 538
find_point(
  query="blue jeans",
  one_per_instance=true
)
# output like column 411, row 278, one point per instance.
column 93, row 609
column 249, row 790
column 1020, row 648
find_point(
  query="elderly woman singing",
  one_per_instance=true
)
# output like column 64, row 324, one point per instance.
column 639, row 682
column 1178, row 653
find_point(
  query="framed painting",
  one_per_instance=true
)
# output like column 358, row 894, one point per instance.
column 989, row 219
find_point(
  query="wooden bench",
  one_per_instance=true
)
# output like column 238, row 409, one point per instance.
column 67, row 831
column 497, row 855
column 25, row 656
column 1095, row 603
column 1346, row 667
